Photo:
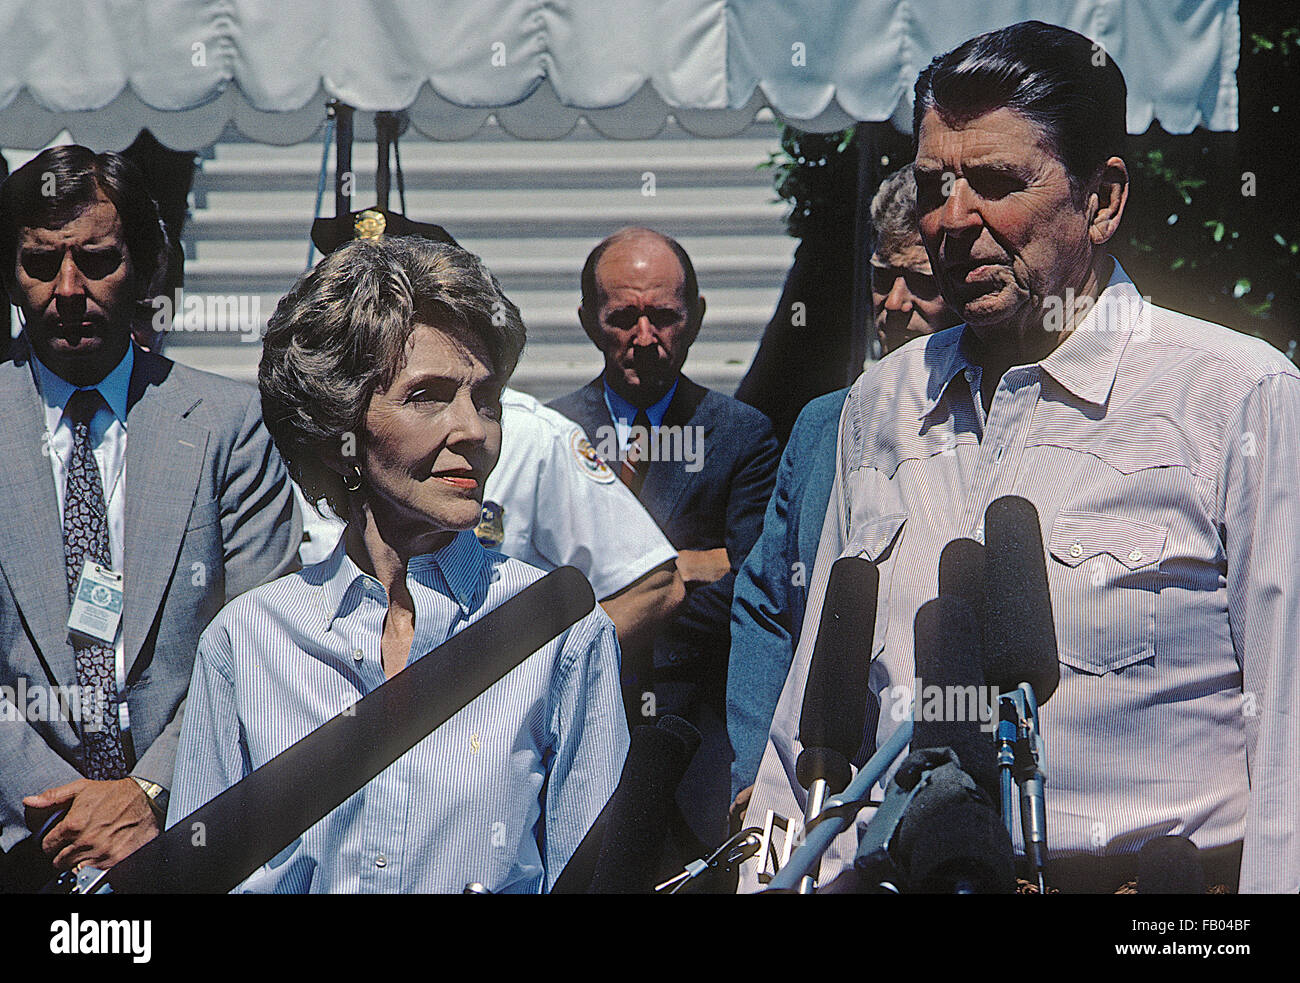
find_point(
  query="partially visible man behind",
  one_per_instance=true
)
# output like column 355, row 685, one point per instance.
column 123, row 472
column 772, row 586
column 701, row 463
column 905, row 298
column 1159, row 450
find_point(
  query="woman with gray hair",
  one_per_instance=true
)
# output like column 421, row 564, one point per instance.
column 381, row 380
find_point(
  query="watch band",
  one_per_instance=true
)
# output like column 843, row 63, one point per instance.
column 157, row 796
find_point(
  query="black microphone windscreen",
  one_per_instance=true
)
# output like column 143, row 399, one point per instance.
column 950, row 709
column 961, row 574
column 684, row 731
column 1170, row 865
column 961, row 846
column 836, row 694
column 950, row 838
column 636, row 819
column 825, row 763
column 1019, row 633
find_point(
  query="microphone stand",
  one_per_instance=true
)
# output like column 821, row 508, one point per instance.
column 816, row 802
column 838, row 811
column 738, row 849
column 1020, row 757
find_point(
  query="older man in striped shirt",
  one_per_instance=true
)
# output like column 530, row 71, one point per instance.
column 1161, row 453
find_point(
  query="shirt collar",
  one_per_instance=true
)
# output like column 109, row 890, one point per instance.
column 1086, row 363
column 946, row 356
column 56, row 391
column 461, row 564
column 621, row 409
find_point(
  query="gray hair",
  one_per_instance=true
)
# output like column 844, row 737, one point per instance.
column 893, row 212
column 340, row 334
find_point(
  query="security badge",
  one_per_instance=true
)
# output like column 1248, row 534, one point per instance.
column 592, row 466
column 491, row 528
column 97, row 603
column 369, row 224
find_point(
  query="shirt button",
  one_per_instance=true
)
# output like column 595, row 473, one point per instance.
column 381, row 861
column 1135, row 555
column 358, row 655
column 970, row 375
column 1076, row 549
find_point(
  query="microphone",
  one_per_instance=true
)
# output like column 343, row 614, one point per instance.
column 961, row 574
column 837, row 691
column 951, row 840
column 1021, row 661
column 947, row 649
column 622, row 851
column 1170, row 865
column 1019, row 632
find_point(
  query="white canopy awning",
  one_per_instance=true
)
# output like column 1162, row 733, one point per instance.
column 104, row 69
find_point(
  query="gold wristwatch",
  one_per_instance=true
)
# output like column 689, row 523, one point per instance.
column 157, row 796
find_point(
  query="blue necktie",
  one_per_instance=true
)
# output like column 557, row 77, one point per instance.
column 85, row 537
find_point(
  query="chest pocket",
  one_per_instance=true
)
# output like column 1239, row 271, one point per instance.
column 1104, row 580
column 876, row 541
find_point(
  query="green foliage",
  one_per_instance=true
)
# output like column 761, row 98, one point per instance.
column 816, row 173
column 1196, row 235
column 1211, row 228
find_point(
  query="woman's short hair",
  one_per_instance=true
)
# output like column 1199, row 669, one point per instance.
column 1059, row 80
column 340, row 334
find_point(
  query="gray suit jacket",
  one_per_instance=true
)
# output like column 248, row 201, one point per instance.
column 210, row 513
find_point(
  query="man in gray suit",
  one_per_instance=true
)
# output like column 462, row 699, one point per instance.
column 702, row 464
column 137, row 497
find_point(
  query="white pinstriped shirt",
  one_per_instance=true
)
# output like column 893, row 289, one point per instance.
column 1163, row 455
column 466, row 803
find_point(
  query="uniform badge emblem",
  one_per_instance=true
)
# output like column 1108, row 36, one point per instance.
column 491, row 529
column 369, row 224
column 592, row 466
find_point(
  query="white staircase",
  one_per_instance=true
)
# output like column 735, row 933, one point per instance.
column 532, row 210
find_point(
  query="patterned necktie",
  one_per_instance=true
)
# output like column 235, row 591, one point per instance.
column 635, row 464
column 85, row 537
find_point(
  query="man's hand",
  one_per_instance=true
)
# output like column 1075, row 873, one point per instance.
column 739, row 807
column 106, row 822
column 700, row 567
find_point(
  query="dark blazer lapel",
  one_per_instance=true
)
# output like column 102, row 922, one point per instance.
column 593, row 395
column 164, row 459
column 666, row 481
column 31, row 545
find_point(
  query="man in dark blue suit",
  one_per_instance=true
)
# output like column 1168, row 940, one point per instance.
column 702, row 464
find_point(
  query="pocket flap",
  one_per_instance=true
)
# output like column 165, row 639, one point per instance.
column 1079, row 536
column 875, row 538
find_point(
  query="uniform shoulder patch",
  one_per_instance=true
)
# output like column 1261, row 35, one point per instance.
column 491, row 529
column 592, row 466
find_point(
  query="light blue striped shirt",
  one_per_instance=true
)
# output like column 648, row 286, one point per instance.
column 1163, row 455
column 501, row 794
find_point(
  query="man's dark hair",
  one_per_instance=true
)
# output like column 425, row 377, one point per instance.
column 590, row 291
column 1060, row 81
column 57, row 184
